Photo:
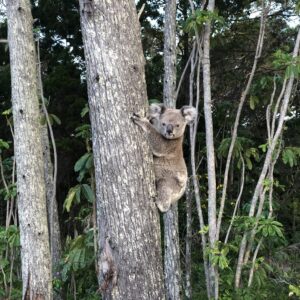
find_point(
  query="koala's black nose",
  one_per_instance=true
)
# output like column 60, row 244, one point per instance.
column 169, row 128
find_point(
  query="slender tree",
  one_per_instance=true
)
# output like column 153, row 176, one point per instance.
column 36, row 259
column 130, row 260
column 171, row 232
column 209, row 137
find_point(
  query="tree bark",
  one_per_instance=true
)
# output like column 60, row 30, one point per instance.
column 130, row 261
column 209, row 134
column 188, row 242
column 50, row 174
column 35, row 251
column 54, row 229
column 171, row 231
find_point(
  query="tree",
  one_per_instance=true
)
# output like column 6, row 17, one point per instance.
column 171, row 231
column 130, row 260
column 36, row 261
column 209, row 136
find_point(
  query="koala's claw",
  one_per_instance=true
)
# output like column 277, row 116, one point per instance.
column 135, row 117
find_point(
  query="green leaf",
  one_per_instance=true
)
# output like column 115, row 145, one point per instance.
column 3, row 144
column 253, row 101
column 88, row 193
column 80, row 164
column 84, row 111
column 89, row 162
column 263, row 147
column 7, row 112
column 55, row 119
column 70, row 197
column 249, row 163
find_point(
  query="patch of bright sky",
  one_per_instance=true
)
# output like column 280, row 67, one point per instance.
column 293, row 20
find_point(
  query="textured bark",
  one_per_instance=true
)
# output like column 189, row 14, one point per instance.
column 130, row 260
column 172, row 254
column 35, row 251
column 171, row 231
column 55, row 240
column 188, row 242
column 209, row 134
column 170, row 54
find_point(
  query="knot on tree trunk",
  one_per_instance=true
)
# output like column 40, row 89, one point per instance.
column 108, row 269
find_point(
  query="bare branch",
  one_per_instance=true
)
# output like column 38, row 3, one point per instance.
column 238, row 115
column 237, row 203
column 268, row 160
column 253, row 262
column 184, row 71
column 141, row 11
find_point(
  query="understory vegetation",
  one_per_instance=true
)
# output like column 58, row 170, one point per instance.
column 272, row 268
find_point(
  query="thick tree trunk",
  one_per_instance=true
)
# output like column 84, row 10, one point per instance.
column 130, row 260
column 171, row 231
column 36, row 261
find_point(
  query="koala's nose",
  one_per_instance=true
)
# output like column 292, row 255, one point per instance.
column 169, row 129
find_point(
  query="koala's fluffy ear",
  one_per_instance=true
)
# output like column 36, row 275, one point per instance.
column 155, row 110
column 189, row 113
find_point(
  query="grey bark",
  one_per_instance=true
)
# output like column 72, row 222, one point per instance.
column 50, row 175
column 130, row 260
column 196, row 62
column 35, row 251
column 170, row 54
column 188, row 242
column 211, row 170
column 54, row 229
column 172, row 269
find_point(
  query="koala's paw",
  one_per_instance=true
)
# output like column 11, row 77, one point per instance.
column 163, row 206
column 135, row 117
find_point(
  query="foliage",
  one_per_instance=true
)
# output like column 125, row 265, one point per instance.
column 199, row 18
column 235, row 30
column 10, row 283
column 78, row 259
column 290, row 155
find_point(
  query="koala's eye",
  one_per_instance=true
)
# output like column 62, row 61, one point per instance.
column 177, row 125
column 164, row 124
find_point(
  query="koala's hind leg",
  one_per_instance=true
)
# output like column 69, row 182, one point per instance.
column 165, row 191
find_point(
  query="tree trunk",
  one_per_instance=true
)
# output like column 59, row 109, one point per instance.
column 54, row 229
column 211, row 171
column 188, row 242
column 130, row 260
column 171, row 231
column 35, row 251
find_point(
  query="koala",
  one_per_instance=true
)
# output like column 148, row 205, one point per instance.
column 165, row 130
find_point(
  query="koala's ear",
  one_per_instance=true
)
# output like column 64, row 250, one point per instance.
column 155, row 110
column 189, row 113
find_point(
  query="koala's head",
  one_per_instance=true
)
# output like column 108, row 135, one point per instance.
column 171, row 122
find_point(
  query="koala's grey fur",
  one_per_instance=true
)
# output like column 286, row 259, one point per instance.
column 165, row 128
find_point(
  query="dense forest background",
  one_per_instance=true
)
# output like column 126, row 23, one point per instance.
column 233, row 43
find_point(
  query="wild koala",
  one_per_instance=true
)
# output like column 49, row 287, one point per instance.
column 165, row 128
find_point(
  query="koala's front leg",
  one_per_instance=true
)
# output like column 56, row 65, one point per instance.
column 142, row 122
